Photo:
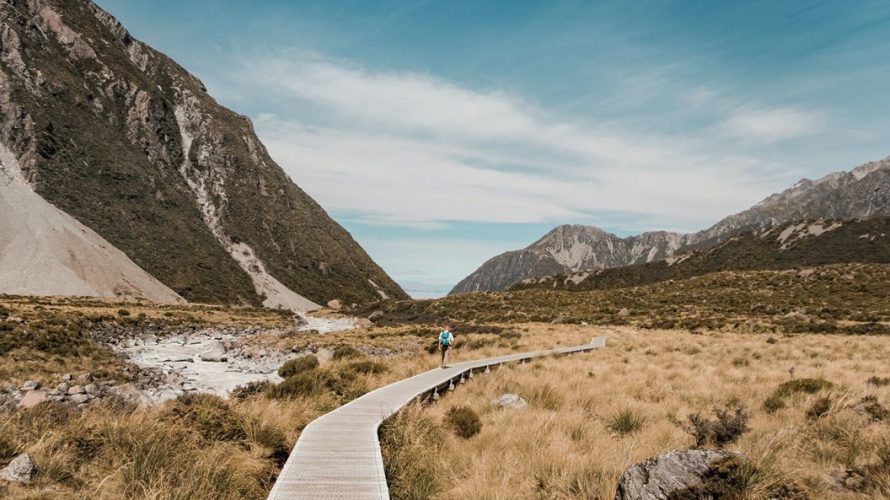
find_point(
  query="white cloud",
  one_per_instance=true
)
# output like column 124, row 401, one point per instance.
column 408, row 148
column 772, row 124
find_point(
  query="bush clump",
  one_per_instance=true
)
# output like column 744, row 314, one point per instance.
column 365, row 367
column 297, row 365
column 727, row 426
column 463, row 421
column 820, row 408
column 251, row 389
column 345, row 352
column 209, row 415
column 776, row 400
column 626, row 422
column 307, row 383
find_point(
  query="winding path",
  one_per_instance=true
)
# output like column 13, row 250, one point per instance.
column 338, row 455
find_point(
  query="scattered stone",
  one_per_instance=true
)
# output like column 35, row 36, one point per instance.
column 91, row 389
column 849, row 479
column 511, row 401
column 62, row 388
column 624, row 312
column 79, row 398
column 665, row 474
column 14, row 319
column 31, row 385
column 32, row 399
column 66, row 377
column 364, row 323
column 215, row 352
column 335, row 304
column 20, row 470
column 376, row 315
column 76, row 389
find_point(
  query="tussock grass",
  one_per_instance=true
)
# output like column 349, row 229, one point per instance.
column 566, row 449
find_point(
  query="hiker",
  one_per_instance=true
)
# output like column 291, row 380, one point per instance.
column 445, row 341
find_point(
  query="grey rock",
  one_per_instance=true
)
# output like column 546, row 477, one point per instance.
column 850, row 480
column 335, row 304
column 513, row 401
column 66, row 377
column 31, row 385
column 656, row 478
column 376, row 315
column 32, row 399
column 624, row 312
column 79, row 398
column 21, row 470
column 215, row 352
column 91, row 389
column 62, row 388
column 76, row 389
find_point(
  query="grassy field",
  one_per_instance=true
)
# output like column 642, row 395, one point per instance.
column 804, row 407
column 592, row 415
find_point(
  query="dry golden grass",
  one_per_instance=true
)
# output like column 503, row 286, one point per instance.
column 563, row 447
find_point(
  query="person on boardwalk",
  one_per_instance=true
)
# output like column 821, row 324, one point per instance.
column 445, row 341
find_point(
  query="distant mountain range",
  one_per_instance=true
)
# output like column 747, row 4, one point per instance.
column 125, row 143
column 796, row 244
column 861, row 193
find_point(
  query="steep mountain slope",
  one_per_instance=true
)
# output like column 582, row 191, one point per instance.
column 789, row 245
column 127, row 142
column 569, row 248
column 45, row 251
column 862, row 192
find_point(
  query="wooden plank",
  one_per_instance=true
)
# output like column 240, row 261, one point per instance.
column 338, row 455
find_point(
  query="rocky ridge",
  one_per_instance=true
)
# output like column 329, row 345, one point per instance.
column 863, row 192
column 128, row 143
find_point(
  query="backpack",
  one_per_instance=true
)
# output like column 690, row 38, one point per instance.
column 445, row 337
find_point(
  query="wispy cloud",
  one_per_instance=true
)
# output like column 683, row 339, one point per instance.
column 406, row 148
column 773, row 124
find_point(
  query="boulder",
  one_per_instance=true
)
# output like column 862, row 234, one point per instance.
column 363, row 323
column 851, row 480
column 31, row 385
column 215, row 352
column 79, row 398
column 674, row 471
column 510, row 401
column 376, row 315
column 32, row 399
column 20, row 470
column 624, row 312
column 334, row 304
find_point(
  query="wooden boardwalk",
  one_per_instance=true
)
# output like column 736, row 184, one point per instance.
column 338, row 455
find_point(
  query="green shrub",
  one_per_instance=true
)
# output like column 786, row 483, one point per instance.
column 366, row 367
column 298, row 365
column 626, row 422
column 873, row 408
column 250, row 389
column 345, row 351
column 463, row 421
column 774, row 403
column 209, row 415
column 727, row 426
column 805, row 385
column 820, row 408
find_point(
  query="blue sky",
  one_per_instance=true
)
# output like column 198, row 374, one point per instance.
column 443, row 133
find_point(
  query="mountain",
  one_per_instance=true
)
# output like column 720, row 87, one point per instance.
column 126, row 142
column 785, row 246
column 569, row 248
column 862, row 192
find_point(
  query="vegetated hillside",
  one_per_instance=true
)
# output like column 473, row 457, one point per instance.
column 861, row 193
column 841, row 298
column 130, row 144
column 793, row 244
